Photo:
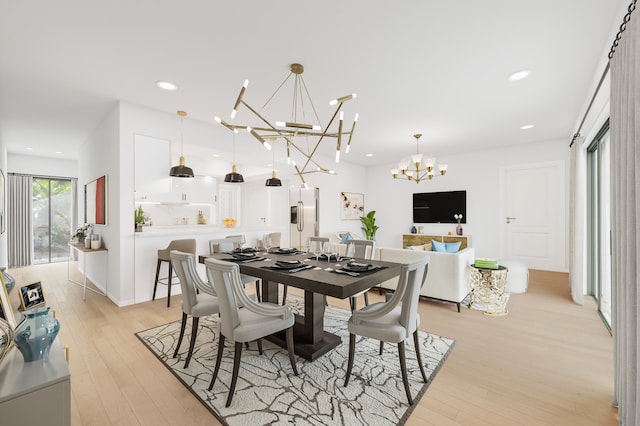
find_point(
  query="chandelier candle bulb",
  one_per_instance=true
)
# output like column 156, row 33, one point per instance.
column 342, row 99
column 235, row 107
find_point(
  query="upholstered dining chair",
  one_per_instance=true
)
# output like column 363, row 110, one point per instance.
column 313, row 243
column 187, row 246
column 228, row 244
column 359, row 249
column 253, row 322
column 392, row 321
column 193, row 303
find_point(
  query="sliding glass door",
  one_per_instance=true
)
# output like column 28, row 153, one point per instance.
column 52, row 217
column 599, row 217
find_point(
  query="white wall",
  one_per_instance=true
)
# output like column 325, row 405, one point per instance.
column 42, row 166
column 477, row 173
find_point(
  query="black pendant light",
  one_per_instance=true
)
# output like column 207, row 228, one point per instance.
column 273, row 180
column 234, row 176
column 181, row 170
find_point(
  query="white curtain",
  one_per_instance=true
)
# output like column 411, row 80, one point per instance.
column 578, row 222
column 19, row 220
column 625, row 223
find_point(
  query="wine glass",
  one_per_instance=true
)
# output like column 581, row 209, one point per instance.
column 316, row 248
column 267, row 243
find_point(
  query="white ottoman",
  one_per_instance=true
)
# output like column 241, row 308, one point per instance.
column 517, row 276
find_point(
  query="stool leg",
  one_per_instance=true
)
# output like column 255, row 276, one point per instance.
column 155, row 284
column 169, row 285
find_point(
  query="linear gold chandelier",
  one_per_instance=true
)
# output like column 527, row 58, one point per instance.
column 418, row 167
column 297, row 130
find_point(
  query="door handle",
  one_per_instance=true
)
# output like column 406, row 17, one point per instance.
column 300, row 216
column 509, row 219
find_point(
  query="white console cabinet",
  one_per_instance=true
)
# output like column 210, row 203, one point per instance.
column 35, row 393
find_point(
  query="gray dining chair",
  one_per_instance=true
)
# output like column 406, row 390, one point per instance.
column 228, row 244
column 253, row 322
column 193, row 303
column 392, row 321
column 359, row 249
column 186, row 245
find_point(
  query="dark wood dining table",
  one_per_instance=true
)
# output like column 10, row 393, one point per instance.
column 311, row 341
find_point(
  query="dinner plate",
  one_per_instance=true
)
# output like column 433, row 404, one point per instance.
column 243, row 256
column 358, row 267
column 286, row 251
column 283, row 264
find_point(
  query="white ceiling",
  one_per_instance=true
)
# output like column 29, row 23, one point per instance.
column 435, row 67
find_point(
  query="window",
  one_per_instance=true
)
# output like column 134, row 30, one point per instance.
column 599, row 223
column 52, row 219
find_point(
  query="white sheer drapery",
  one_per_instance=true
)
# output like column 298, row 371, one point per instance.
column 19, row 220
column 578, row 222
column 625, row 224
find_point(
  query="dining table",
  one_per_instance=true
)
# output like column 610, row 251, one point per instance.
column 318, row 279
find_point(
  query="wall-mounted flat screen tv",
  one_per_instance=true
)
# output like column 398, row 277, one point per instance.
column 439, row 207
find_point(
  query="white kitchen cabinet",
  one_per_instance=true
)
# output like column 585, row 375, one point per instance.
column 199, row 189
column 152, row 162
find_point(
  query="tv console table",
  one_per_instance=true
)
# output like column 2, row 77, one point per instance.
column 418, row 239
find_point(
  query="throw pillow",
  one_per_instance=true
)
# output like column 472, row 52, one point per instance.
column 345, row 238
column 427, row 247
column 215, row 248
column 438, row 246
column 416, row 248
column 452, row 247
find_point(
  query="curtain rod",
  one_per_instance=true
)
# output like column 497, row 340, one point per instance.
column 623, row 27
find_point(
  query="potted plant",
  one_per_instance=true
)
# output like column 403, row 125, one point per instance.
column 81, row 233
column 369, row 225
column 138, row 218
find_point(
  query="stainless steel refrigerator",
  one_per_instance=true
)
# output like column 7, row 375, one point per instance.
column 304, row 217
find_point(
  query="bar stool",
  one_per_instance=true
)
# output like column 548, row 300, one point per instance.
column 185, row 246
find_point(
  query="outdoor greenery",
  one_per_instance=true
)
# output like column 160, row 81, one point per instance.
column 51, row 214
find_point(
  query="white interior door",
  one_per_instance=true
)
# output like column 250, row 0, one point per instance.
column 533, row 215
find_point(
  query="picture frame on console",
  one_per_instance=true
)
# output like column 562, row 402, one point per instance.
column 351, row 205
column 31, row 296
column 6, row 310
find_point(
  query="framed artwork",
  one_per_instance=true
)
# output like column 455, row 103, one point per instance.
column 351, row 205
column 6, row 310
column 95, row 201
column 31, row 296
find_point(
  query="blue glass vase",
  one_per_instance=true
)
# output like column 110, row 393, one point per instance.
column 36, row 333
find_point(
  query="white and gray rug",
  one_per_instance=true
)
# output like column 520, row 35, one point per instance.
column 267, row 392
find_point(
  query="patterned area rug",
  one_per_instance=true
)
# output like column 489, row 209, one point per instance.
column 267, row 392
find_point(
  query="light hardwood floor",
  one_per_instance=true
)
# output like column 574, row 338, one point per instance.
column 548, row 362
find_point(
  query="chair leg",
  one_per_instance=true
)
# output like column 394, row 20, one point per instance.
column 292, row 357
column 416, row 343
column 258, row 291
column 352, row 303
column 366, row 298
column 284, row 295
column 236, row 368
column 194, row 333
column 381, row 347
column 218, row 359
column 155, row 284
column 260, row 346
column 352, row 351
column 403, row 367
column 182, row 326
column 169, row 285
column 458, row 304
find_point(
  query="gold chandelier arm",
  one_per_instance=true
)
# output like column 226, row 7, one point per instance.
column 315, row 148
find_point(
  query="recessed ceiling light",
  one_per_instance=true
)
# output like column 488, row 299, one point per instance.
column 29, row 149
column 166, row 85
column 368, row 155
column 216, row 155
column 527, row 127
column 519, row 75
column 58, row 152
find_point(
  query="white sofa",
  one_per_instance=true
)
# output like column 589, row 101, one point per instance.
column 447, row 273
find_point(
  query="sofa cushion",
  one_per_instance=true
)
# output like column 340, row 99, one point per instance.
column 446, row 247
column 345, row 237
